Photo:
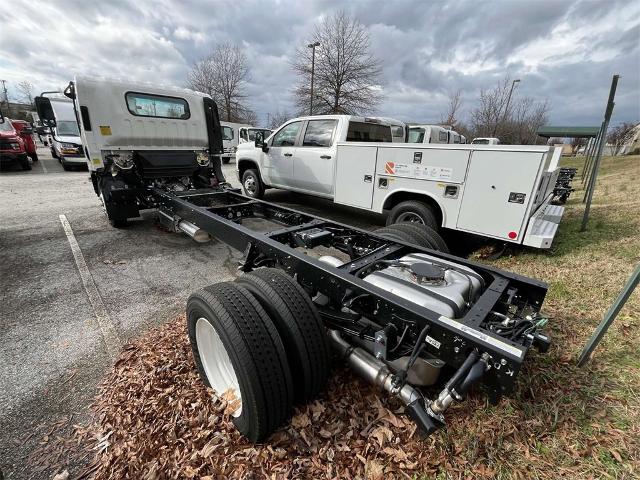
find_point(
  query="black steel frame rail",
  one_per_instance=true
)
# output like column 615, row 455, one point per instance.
column 220, row 213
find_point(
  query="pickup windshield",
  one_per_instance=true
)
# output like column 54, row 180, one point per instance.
column 252, row 133
column 6, row 126
column 368, row 132
column 416, row 135
column 67, row 128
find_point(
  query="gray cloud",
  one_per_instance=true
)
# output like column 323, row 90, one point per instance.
column 563, row 51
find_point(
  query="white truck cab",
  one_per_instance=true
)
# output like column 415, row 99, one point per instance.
column 485, row 141
column 300, row 155
column 231, row 139
column 428, row 134
column 64, row 137
column 138, row 136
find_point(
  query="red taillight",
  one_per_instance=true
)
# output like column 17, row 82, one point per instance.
column 512, row 235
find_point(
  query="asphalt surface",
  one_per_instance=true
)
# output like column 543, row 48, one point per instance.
column 52, row 351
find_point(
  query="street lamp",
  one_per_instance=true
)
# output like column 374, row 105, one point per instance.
column 506, row 108
column 312, row 46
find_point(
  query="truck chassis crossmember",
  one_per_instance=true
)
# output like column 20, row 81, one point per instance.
column 368, row 325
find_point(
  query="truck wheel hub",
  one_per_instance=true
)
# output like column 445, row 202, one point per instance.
column 217, row 365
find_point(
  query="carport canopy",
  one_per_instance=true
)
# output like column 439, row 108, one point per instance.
column 568, row 132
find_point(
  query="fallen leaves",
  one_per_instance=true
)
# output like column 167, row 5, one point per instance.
column 155, row 420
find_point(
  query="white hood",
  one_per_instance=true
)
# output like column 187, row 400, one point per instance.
column 68, row 139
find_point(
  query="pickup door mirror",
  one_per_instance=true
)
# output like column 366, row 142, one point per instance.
column 260, row 143
column 27, row 131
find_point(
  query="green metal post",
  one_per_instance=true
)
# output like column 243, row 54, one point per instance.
column 611, row 315
column 596, row 164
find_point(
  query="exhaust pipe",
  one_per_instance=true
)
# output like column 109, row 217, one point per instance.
column 194, row 231
column 376, row 372
column 176, row 224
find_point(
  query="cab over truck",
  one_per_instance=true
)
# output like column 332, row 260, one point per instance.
column 394, row 306
column 501, row 192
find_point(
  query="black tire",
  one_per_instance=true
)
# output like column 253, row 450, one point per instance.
column 252, row 185
column 419, row 212
column 34, row 156
column 256, row 353
column 25, row 163
column 428, row 237
column 54, row 154
column 67, row 167
column 226, row 160
column 397, row 235
column 299, row 326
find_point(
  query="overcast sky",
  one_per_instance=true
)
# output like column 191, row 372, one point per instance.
column 563, row 51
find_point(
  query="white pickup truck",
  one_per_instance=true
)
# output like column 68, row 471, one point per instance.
column 502, row 192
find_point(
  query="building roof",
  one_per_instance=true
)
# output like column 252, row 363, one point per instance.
column 568, row 132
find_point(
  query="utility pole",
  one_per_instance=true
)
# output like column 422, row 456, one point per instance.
column 312, row 46
column 506, row 108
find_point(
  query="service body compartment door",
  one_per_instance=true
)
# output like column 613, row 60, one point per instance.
column 355, row 172
column 498, row 193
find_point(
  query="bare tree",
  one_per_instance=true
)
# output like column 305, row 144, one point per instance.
column 620, row 135
column 346, row 73
column 278, row 118
column 450, row 116
column 26, row 90
column 515, row 123
column 222, row 74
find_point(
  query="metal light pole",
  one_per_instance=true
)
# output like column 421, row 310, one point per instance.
column 312, row 46
column 506, row 108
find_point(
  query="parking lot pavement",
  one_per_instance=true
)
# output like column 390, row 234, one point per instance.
column 52, row 350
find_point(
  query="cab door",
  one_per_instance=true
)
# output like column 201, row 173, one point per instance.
column 314, row 158
column 277, row 166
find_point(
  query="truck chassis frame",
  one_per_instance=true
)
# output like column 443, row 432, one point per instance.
column 221, row 213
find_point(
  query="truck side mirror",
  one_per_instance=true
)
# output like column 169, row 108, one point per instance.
column 259, row 142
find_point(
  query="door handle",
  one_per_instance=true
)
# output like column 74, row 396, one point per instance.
column 326, row 157
column 368, row 178
column 288, row 154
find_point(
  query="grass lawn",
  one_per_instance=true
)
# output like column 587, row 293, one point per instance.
column 156, row 420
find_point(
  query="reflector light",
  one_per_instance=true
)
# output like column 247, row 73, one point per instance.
column 512, row 235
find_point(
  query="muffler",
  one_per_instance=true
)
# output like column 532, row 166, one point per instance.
column 376, row 372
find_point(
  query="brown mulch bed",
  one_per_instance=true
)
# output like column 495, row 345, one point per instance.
column 154, row 419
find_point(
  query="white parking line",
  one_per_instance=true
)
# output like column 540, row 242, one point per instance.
column 44, row 168
column 107, row 328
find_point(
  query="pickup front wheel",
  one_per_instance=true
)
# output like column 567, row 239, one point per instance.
column 252, row 184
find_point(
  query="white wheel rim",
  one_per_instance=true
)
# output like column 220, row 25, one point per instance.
column 217, row 364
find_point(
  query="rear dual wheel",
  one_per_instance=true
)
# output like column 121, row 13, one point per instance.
column 415, row 233
column 259, row 342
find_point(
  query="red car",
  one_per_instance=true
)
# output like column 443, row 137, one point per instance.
column 12, row 146
column 26, row 133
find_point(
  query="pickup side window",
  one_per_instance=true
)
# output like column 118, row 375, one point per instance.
column 443, row 137
column 243, row 134
column 146, row 105
column 227, row 133
column 456, row 139
column 319, row 133
column 287, row 135
column 368, row 132
column 416, row 135
column 397, row 132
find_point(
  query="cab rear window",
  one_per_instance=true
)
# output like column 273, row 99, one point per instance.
column 159, row 106
column 368, row 132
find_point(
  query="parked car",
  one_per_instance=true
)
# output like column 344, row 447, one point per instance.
column 398, row 129
column 12, row 146
column 26, row 133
